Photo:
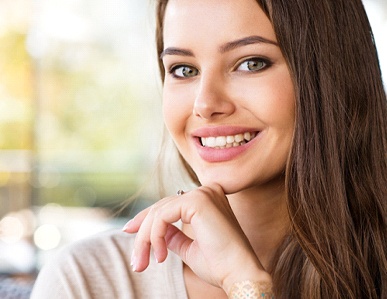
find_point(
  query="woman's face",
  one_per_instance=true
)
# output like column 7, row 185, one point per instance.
column 228, row 98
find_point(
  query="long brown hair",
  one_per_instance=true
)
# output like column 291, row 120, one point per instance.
column 336, row 176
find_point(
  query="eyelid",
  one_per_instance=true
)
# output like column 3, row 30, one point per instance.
column 173, row 61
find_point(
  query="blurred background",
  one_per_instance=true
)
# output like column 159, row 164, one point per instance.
column 80, row 123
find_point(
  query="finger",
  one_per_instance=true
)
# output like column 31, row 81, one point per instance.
column 153, row 221
column 133, row 225
column 159, row 243
column 178, row 242
column 154, row 229
column 158, row 231
column 164, row 216
column 140, row 255
column 142, row 243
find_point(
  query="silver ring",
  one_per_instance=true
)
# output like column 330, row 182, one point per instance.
column 180, row 192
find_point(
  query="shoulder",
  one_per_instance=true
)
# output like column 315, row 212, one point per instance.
column 77, row 268
column 99, row 267
column 108, row 244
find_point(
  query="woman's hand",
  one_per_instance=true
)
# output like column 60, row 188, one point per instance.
column 219, row 252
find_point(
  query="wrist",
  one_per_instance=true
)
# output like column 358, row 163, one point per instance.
column 250, row 278
column 249, row 289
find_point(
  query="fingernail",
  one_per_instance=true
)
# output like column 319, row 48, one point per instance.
column 133, row 262
column 127, row 225
column 157, row 261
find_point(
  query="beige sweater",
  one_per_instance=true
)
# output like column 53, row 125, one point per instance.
column 99, row 267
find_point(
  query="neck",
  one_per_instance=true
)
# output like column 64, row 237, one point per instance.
column 262, row 213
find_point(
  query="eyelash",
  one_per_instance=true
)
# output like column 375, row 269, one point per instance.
column 173, row 69
column 267, row 63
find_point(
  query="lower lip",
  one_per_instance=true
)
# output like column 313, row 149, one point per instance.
column 210, row 154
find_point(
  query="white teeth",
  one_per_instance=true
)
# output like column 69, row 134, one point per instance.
column 227, row 141
column 230, row 139
column 210, row 141
column 238, row 138
column 221, row 141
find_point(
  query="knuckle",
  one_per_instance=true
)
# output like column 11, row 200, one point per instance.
column 202, row 198
column 142, row 242
column 152, row 212
column 156, row 214
column 204, row 191
column 208, row 193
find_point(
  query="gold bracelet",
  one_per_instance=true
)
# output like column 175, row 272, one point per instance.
column 251, row 290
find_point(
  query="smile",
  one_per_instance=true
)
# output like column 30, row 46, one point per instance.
column 221, row 142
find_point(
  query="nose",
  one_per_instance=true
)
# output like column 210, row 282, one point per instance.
column 212, row 100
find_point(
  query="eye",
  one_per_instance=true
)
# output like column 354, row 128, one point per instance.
column 184, row 71
column 253, row 65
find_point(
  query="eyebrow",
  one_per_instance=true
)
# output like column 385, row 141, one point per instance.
column 254, row 39
column 176, row 51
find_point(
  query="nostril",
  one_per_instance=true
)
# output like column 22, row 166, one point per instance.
column 213, row 105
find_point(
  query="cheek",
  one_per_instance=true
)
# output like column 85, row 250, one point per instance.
column 174, row 112
column 168, row 113
column 276, row 101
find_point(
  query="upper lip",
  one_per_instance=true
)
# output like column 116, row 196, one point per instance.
column 221, row 131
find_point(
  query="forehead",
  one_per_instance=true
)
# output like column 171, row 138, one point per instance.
column 214, row 21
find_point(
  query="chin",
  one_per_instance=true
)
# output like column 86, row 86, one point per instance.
column 229, row 186
column 235, row 184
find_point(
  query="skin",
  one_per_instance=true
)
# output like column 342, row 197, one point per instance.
column 225, row 74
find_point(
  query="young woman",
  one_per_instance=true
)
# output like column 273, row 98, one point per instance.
column 278, row 112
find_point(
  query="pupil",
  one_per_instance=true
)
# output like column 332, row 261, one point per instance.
column 187, row 71
column 252, row 65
